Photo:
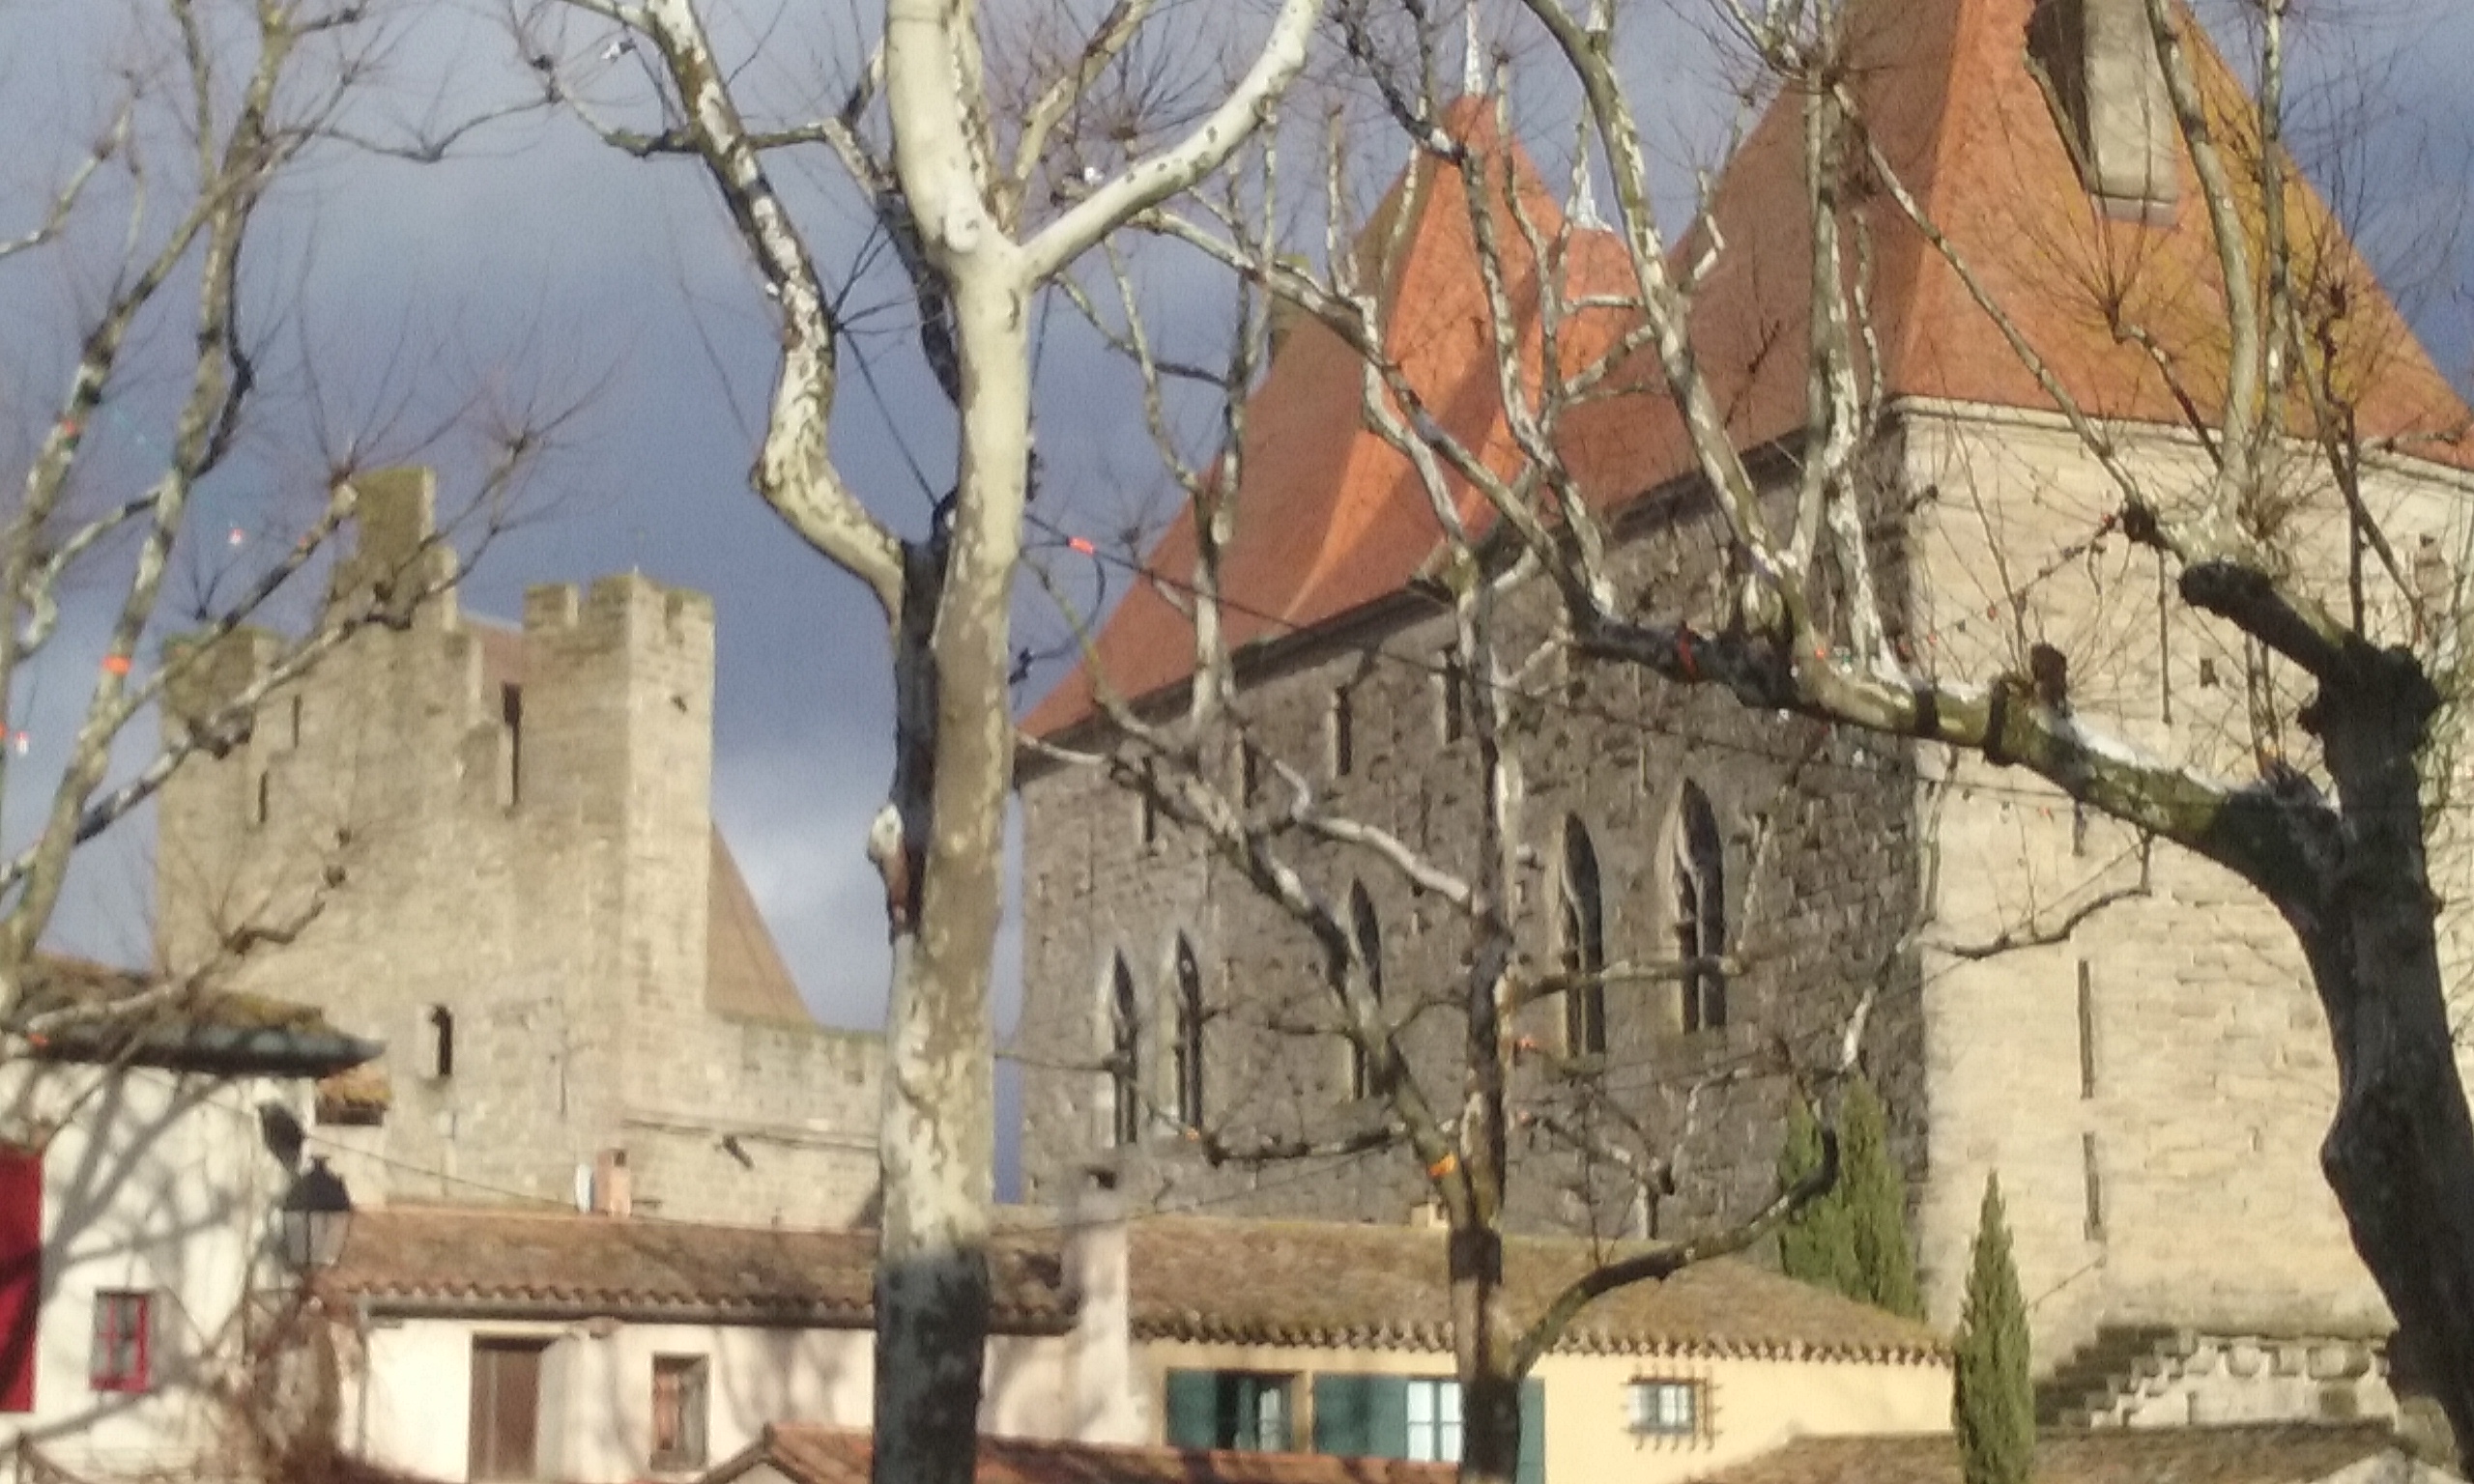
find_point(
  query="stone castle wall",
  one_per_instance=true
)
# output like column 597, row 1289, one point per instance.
column 511, row 828
column 2150, row 1080
column 1820, row 886
column 2153, row 1087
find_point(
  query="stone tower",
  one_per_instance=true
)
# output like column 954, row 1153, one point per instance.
column 519, row 888
column 2150, row 1080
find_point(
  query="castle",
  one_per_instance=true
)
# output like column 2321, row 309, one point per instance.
column 500, row 841
column 2149, row 1077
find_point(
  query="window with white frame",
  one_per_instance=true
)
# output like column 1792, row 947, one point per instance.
column 1665, row 1409
column 1434, row 1421
column 123, row 1357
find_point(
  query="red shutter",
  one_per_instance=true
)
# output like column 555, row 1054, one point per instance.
column 20, row 1274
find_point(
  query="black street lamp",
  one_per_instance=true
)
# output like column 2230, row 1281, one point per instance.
column 317, row 1214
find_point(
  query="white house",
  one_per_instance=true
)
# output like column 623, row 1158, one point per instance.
column 547, row 1343
column 492, row 1344
column 143, row 1167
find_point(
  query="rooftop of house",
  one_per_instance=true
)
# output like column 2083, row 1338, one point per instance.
column 498, row 1262
column 2267, row 1453
column 1335, row 1284
column 1305, row 1283
column 809, row 1454
column 1329, row 520
column 75, row 1009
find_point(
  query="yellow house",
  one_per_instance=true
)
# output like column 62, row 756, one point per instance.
column 1336, row 1338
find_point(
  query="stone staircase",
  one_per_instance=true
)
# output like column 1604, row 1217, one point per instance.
column 2153, row 1376
column 2091, row 1382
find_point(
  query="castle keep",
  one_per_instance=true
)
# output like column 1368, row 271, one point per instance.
column 2150, row 1080
column 519, row 888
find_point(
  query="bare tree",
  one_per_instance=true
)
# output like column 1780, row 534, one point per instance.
column 159, row 521
column 1500, row 1080
column 986, row 205
column 2272, row 461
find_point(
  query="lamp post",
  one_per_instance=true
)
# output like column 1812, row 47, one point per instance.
column 317, row 1214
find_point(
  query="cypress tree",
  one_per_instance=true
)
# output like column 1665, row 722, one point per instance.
column 1873, row 1193
column 1993, row 1408
column 1815, row 1245
column 1852, row 1238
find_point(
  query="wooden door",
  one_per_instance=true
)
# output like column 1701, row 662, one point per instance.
column 506, row 1409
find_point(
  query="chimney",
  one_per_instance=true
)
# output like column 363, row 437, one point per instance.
column 1098, row 1379
column 2099, row 57
column 612, row 1195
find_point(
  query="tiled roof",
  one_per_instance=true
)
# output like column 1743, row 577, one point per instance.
column 131, row 1017
column 1330, row 1284
column 807, row 1454
column 2283, row 1453
column 1328, row 516
column 1329, row 521
column 481, row 1259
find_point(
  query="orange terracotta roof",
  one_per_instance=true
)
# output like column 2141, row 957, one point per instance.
column 1323, row 1283
column 1329, row 520
column 1328, row 517
column 808, row 1454
column 2272, row 1453
column 497, row 1260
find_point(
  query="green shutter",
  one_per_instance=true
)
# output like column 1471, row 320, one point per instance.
column 1533, row 1432
column 1193, row 1408
column 1387, row 1417
column 1344, row 1405
column 1362, row 1417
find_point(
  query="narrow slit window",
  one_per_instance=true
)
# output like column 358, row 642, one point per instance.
column 511, row 712
column 2086, row 1029
column 1343, row 734
column 1125, row 1057
column 1452, row 686
column 1366, row 930
column 2095, row 1180
column 439, row 1024
column 1189, row 1046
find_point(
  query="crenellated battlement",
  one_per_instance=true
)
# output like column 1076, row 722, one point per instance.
column 537, row 914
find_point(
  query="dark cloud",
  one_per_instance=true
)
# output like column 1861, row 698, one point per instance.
column 538, row 258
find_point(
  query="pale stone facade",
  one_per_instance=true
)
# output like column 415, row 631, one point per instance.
column 526, row 901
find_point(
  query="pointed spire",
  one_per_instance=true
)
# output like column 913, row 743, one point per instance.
column 1473, row 56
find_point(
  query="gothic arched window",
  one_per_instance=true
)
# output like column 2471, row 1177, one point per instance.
column 1367, row 933
column 1189, row 1043
column 1125, row 1056
column 1697, row 863
column 1583, row 945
